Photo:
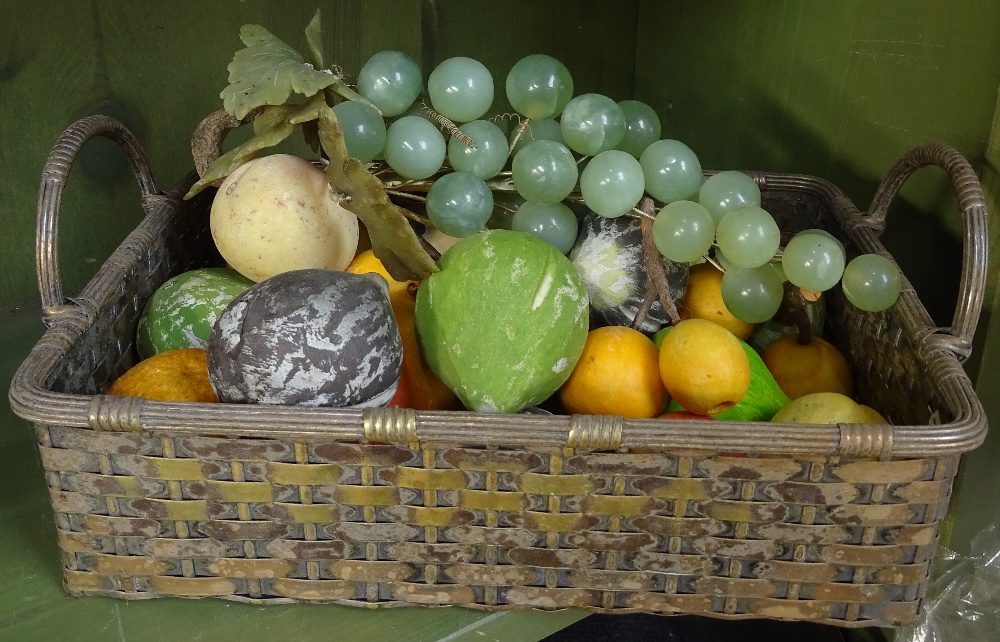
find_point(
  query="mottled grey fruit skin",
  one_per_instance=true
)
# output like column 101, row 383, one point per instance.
column 310, row 338
column 608, row 256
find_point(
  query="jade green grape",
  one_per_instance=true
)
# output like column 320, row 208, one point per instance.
column 612, row 184
column 414, row 147
column 872, row 282
column 813, row 261
column 683, row 231
column 547, row 129
column 459, row 204
column 391, row 81
column 642, row 127
column 672, row 171
column 544, row 172
column 489, row 155
column 748, row 236
column 752, row 294
column 539, row 86
column 726, row 191
column 592, row 123
column 822, row 232
column 461, row 89
column 555, row 223
column 364, row 129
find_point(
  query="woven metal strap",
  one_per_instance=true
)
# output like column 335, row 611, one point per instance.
column 391, row 425
column 115, row 414
column 866, row 440
column 595, row 432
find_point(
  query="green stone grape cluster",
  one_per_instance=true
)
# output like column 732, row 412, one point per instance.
column 618, row 145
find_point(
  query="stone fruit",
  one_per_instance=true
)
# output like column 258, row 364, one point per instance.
column 618, row 374
column 816, row 366
column 425, row 390
column 704, row 367
column 504, row 320
column 608, row 256
column 308, row 337
column 172, row 375
column 683, row 415
column 763, row 398
column 827, row 408
column 703, row 300
column 277, row 213
column 182, row 311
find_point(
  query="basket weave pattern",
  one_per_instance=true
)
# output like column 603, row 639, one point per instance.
column 359, row 523
column 834, row 524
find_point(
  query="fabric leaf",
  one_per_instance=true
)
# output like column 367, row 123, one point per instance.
column 271, row 127
column 267, row 71
column 314, row 39
column 393, row 240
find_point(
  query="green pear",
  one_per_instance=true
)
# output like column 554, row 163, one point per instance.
column 827, row 408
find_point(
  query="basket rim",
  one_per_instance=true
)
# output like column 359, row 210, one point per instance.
column 32, row 401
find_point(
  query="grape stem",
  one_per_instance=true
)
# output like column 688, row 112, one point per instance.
column 792, row 311
column 449, row 126
column 718, row 266
column 653, row 262
column 430, row 249
column 518, row 133
column 647, row 303
column 206, row 140
column 640, row 214
column 506, row 208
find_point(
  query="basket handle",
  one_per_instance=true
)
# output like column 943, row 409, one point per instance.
column 56, row 171
column 958, row 337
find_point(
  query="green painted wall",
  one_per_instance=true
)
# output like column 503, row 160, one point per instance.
column 838, row 90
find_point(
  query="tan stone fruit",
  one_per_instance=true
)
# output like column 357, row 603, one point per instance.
column 704, row 367
column 276, row 214
column 827, row 408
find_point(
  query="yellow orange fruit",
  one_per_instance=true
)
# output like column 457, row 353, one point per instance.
column 704, row 367
column 366, row 262
column 703, row 300
column 426, row 391
column 617, row 374
column 803, row 369
column 173, row 375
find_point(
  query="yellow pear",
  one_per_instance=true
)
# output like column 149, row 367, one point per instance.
column 704, row 367
column 827, row 408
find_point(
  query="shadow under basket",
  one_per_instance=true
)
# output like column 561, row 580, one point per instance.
column 835, row 524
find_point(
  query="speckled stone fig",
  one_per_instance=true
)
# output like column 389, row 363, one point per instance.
column 608, row 256
column 308, row 337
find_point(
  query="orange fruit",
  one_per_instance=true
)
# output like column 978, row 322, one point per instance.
column 617, row 374
column 803, row 369
column 426, row 391
column 703, row 300
column 172, row 375
column 404, row 393
column 366, row 262
column 704, row 366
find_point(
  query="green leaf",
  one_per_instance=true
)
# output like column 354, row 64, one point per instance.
column 314, row 38
column 393, row 240
column 350, row 94
column 271, row 127
column 267, row 71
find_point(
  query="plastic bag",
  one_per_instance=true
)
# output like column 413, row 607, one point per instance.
column 963, row 597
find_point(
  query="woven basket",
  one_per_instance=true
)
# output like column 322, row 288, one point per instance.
column 835, row 524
